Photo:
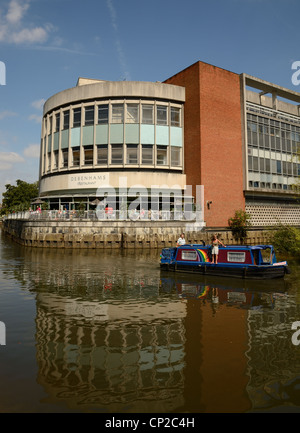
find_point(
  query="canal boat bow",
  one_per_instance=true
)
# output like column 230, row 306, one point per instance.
column 254, row 262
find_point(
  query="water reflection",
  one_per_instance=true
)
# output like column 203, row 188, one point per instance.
column 114, row 334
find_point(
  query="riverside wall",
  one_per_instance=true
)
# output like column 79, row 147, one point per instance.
column 116, row 234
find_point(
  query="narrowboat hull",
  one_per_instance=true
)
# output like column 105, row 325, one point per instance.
column 251, row 262
column 251, row 272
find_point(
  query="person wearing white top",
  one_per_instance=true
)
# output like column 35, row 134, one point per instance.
column 181, row 240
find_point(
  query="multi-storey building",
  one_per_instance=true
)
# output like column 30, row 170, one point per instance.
column 118, row 135
column 241, row 141
column 233, row 134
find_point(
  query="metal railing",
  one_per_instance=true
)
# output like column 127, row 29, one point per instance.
column 103, row 215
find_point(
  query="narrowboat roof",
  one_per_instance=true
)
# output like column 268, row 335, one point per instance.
column 241, row 247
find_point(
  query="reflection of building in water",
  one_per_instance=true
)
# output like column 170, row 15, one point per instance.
column 111, row 357
column 278, row 359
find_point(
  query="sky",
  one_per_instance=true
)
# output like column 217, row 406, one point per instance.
column 45, row 45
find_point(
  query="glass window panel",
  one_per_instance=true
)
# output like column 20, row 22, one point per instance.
column 89, row 115
column 278, row 167
column 175, row 156
column 88, row 156
column 175, row 116
column 162, row 155
column 76, row 156
column 132, row 154
column 57, row 122
column 65, row 158
column 132, row 113
column 295, row 169
column 284, row 168
column 267, row 165
column 55, row 158
column 102, row 154
column 261, row 164
column 66, row 119
column 255, row 163
column 147, row 113
column 147, row 154
column 117, row 113
column 117, row 154
column 273, row 166
column 103, row 114
column 76, row 117
column 161, row 115
column 250, row 165
column 50, row 125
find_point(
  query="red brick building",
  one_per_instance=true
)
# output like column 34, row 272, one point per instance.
column 239, row 170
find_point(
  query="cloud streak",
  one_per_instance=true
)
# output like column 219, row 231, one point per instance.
column 120, row 52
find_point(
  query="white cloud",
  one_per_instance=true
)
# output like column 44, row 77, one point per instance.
column 38, row 104
column 32, row 151
column 10, row 157
column 16, row 11
column 12, row 29
column 37, row 34
column 35, row 117
column 5, row 166
column 6, row 113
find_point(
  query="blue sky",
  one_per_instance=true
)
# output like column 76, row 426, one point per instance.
column 47, row 44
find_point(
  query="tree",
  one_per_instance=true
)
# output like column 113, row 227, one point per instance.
column 18, row 198
column 239, row 225
column 286, row 239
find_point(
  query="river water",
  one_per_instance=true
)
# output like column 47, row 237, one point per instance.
column 107, row 332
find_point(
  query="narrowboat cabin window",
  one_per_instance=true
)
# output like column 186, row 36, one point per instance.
column 236, row 257
column 189, row 255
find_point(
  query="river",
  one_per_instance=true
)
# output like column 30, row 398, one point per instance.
column 107, row 332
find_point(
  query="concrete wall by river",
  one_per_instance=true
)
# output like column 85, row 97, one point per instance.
column 115, row 234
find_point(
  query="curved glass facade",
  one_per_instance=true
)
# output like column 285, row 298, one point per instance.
column 100, row 132
column 117, row 134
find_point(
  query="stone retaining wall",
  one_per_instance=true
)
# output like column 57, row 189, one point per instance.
column 115, row 234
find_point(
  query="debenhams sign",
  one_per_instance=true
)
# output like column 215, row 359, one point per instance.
column 87, row 180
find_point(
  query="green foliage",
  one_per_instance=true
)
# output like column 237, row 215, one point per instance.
column 286, row 239
column 239, row 225
column 18, row 198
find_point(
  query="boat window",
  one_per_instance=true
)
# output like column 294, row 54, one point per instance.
column 189, row 255
column 236, row 257
column 266, row 255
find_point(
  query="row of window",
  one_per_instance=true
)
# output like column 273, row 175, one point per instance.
column 114, row 113
column 116, row 154
column 275, row 123
column 269, row 185
column 272, row 138
column 273, row 166
column 285, row 117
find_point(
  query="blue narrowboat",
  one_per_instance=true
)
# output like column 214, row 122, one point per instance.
column 258, row 262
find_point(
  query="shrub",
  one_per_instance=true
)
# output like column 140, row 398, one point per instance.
column 239, row 225
column 286, row 239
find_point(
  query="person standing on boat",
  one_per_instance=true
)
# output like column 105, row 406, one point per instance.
column 215, row 248
column 181, row 240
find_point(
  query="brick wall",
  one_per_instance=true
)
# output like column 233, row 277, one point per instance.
column 213, row 138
